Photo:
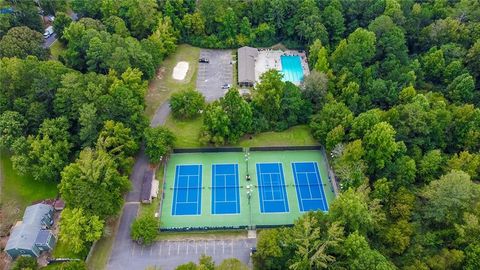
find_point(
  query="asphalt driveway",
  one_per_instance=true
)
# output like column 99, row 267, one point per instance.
column 211, row 76
column 169, row 254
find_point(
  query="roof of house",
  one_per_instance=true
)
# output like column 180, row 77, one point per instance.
column 246, row 64
column 42, row 237
column 35, row 214
column 25, row 234
column 146, row 194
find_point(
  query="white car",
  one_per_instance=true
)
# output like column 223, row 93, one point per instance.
column 226, row 86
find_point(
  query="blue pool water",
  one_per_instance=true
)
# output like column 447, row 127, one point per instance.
column 292, row 68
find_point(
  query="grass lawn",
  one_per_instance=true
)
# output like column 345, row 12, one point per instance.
column 55, row 50
column 187, row 133
column 22, row 189
column 61, row 251
column 294, row 136
column 163, row 85
column 101, row 252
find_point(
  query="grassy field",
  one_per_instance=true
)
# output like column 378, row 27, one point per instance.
column 163, row 85
column 103, row 247
column 294, row 136
column 187, row 133
column 22, row 189
column 55, row 50
column 61, row 251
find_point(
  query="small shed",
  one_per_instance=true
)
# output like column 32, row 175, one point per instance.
column 32, row 235
column 149, row 188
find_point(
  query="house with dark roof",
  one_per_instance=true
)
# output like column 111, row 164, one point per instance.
column 32, row 235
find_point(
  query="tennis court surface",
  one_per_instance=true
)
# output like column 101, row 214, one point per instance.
column 271, row 185
column 187, row 193
column 310, row 193
column 225, row 189
column 210, row 190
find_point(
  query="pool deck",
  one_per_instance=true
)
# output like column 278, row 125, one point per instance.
column 271, row 59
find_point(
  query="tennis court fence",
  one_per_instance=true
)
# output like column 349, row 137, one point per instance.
column 285, row 148
column 207, row 150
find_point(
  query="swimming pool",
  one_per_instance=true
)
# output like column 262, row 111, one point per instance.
column 292, row 68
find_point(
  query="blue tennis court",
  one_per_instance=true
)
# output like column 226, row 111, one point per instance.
column 308, row 182
column 271, row 184
column 187, row 191
column 225, row 189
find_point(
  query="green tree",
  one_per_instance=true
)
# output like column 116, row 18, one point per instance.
column 267, row 95
column 25, row 263
column 73, row 265
column 117, row 140
column 90, row 124
column 145, row 229
column 380, row 145
column 315, row 89
column 239, row 114
column 62, row 21
column 140, row 16
column 467, row 162
column 187, row 104
column 93, row 183
column 21, row 42
column 215, row 124
column 270, row 253
column 12, row 126
column 159, row 141
column 349, row 165
column 355, row 211
column 231, row 264
column 359, row 47
column 52, row 6
column 449, row 197
column 334, row 22
column 332, row 114
column 78, row 229
column 461, row 89
column 431, row 165
column 359, row 255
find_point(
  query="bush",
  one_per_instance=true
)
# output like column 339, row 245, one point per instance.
column 145, row 229
column 187, row 104
column 158, row 142
column 24, row 262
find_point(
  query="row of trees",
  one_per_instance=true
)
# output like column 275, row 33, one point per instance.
column 102, row 47
column 207, row 263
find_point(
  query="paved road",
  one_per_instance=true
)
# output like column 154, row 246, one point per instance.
column 50, row 40
column 211, row 76
column 160, row 115
column 168, row 254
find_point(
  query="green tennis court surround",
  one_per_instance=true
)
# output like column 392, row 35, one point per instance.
column 210, row 190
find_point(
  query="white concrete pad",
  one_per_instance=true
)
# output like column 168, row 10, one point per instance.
column 180, row 70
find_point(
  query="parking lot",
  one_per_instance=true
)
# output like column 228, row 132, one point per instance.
column 168, row 254
column 211, row 76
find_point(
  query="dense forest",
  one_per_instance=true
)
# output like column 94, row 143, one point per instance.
column 393, row 96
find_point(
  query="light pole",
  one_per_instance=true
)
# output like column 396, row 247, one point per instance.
column 247, row 157
column 249, row 195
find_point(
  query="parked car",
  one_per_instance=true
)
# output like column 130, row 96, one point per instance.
column 204, row 60
column 226, row 86
column 48, row 32
column 252, row 251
